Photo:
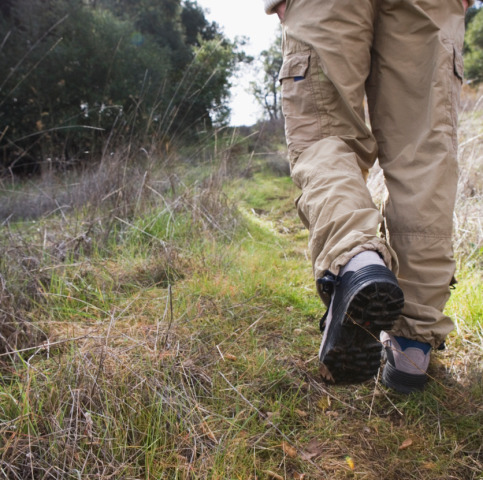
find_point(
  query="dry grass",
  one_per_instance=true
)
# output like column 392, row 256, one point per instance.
column 468, row 212
column 180, row 338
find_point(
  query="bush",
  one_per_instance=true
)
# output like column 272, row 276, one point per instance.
column 78, row 74
column 474, row 48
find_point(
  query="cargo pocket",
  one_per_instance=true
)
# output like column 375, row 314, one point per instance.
column 302, row 123
column 458, row 73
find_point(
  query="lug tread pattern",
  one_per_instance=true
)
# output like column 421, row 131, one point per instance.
column 366, row 302
column 402, row 382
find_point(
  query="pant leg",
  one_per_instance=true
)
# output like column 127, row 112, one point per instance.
column 327, row 59
column 413, row 92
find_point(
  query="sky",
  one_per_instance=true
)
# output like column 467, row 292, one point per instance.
column 243, row 18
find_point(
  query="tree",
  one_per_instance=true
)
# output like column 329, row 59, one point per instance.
column 195, row 24
column 267, row 92
column 73, row 71
column 474, row 47
column 77, row 76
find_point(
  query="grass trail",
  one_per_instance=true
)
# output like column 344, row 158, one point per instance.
column 188, row 348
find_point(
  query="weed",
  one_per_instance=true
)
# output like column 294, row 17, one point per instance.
column 180, row 337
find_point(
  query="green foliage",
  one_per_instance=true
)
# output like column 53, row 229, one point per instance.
column 195, row 24
column 79, row 72
column 267, row 92
column 213, row 62
column 92, row 76
column 474, row 47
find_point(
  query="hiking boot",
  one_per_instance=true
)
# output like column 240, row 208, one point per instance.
column 363, row 302
column 406, row 365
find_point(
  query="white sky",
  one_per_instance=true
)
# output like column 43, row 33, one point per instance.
column 247, row 18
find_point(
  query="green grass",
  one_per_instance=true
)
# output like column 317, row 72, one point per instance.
column 466, row 301
column 183, row 345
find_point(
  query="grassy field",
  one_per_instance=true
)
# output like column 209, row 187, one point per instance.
column 159, row 321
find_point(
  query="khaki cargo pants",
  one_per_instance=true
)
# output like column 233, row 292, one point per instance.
column 405, row 55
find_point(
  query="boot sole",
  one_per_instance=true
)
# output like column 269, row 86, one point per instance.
column 402, row 382
column 371, row 301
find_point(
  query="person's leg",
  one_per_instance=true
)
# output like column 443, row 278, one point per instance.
column 413, row 94
column 327, row 46
column 326, row 62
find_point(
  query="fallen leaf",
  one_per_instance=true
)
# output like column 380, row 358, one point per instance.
column 274, row 475
column 312, row 450
column 326, row 375
column 331, row 413
column 301, row 413
column 429, row 466
column 229, row 356
column 289, row 450
column 307, row 456
column 350, row 462
column 298, row 476
column 406, row 444
column 324, row 403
